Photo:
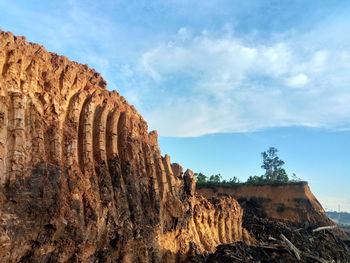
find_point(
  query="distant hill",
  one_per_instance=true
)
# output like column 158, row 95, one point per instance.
column 340, row 217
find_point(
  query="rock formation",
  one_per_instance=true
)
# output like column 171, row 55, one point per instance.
column 82, row 180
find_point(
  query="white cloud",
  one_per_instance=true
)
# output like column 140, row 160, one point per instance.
column 220, row 83
column 298, row 80
column 199, row 83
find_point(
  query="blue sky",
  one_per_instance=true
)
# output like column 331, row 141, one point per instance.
column 220, row 80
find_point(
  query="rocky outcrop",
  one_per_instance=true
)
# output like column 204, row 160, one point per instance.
column 82, row 179
column 293, row 201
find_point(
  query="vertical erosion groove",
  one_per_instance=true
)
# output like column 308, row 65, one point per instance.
column 71, row 106
column 71, row 127
column 212, row 226
column 160, row 176
column 199, row 223
column 121, row 135
column 209, row 231
column 98, row 132
column 130, row 189
column 53, row 142
column 236, row 225
column 84, row 136
column 3, row 136
column 223, row 227
column 149, row 162
column 61, row 80
column 112, row 135
column 16, row 135
column 103, row 135
column 36, row 131
column 229, row 228
column 194, row 231
column 168, row 173
column 28, row 134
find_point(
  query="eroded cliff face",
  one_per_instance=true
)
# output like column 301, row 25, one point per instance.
column 82, row 180
column 293, row 202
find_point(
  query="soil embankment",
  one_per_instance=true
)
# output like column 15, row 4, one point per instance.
column 293, row 201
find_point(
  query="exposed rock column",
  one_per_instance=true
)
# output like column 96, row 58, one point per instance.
column 16, row 136
column 3, row 134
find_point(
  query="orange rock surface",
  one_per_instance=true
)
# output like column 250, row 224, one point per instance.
column 82, row 179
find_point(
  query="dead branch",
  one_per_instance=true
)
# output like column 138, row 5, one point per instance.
column 272, row 238
column 291, row 247
column 324, row 228
column 271, row 247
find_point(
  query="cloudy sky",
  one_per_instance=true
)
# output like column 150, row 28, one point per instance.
column 220, row 80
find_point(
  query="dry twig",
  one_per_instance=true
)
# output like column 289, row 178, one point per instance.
column 291, row 247
column 324, row 228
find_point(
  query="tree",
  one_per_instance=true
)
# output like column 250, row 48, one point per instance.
column 282, row 176
column 295, row 178
column 273, row 166
column 215, row 179
column 255, row 180
column 200, row 178
column 234, row 180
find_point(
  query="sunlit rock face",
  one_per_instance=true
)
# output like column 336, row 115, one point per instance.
column 82, row 179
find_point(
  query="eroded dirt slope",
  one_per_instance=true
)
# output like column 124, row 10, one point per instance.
column 82, row 179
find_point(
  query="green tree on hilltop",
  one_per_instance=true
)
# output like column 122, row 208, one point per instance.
column 274, row 173
column 273, row 166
